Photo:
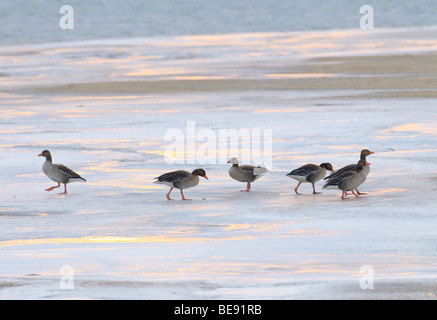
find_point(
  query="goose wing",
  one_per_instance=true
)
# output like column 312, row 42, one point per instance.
column 304, row 171
column 335, row 181
column 172, row 177
column 257, row 171
column 70, row 173
column 348, row 168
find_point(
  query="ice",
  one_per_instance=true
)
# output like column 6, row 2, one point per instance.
column 124, row 240
column 223, row 244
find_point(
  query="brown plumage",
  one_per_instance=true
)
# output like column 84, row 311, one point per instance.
column 181, row 179
column 58, row 172
column 245, row 173
column 309, row 173
column 349, row 180
column 353, row 167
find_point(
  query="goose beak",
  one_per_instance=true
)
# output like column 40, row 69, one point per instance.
column 205, row 177
column 40, row 155
column 229, row 161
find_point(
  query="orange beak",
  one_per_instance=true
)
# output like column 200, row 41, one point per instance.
column 205, row 177
column 367, row 164
column 371, row 152
column 40, row 155
column 229, row 161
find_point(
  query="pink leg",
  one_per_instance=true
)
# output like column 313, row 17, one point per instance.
column 51, row 188
column 183, row 198
column 168, row 194
column 356, row 194
column 295, row 189
column 360, row 193
column 343, row 195
column 247, row 189
column 314, row 190
column 65, row 189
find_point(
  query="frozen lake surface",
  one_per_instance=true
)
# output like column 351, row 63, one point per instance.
column 123, row 240
column 119, row 232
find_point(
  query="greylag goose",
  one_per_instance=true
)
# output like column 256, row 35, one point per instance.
column 181, row 179
column 58, row 172
column 245, row 173
column 310, row 173
column 349, row 180
column 353, row 167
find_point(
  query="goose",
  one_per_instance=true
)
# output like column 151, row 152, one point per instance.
column 309, row 173
column 349, row 180
column 58, row 172
column 353, row 167
column 181, row 179
column 245, row 173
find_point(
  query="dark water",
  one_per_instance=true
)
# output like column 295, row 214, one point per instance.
column 37, row 21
